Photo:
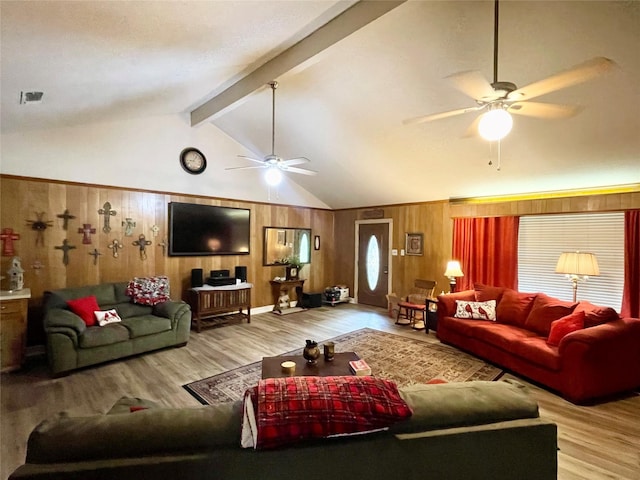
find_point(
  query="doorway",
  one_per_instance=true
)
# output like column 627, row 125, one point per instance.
column 373, row 260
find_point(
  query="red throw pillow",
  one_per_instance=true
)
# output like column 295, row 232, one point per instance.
column 84, row 308
column 545, row 310
column 564, row 326
column 514, row 307
column 595, row 315
column 485, row 293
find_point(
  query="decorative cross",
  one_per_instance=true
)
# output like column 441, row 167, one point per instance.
column 66, row 216
column 108, row 213
column 8, row 237
column 37, row 266
column 115, row 246
column 163, row 244
column 95, row 254
column 39, row 225
column 142, row 243
column 86, row 232
column 155, row 229
column 65, row 247
column 128, row 225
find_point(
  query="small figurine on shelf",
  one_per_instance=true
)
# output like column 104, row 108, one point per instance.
column 16, row 275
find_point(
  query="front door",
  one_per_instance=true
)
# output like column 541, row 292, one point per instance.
column 373, row 264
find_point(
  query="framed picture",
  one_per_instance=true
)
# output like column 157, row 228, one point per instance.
column 282, row 237
column 414, row 244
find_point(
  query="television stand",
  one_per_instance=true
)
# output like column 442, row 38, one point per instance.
column 209, row 304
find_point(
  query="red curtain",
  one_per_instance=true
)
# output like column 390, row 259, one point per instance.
column 487, row 249
column 631, row 292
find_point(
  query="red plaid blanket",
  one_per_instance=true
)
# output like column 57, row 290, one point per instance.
column 148, row 290
column 280, row 411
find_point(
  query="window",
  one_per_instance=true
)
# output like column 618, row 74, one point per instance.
column 373, row 262
column 541, row 240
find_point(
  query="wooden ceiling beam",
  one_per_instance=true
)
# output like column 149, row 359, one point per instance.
column 341, row 26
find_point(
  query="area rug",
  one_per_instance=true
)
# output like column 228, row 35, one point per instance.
column 404, row 360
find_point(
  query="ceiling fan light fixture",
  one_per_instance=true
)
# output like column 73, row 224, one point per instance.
column 495, row 124
column 273, row 176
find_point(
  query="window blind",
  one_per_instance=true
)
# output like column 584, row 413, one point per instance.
column 541, row 240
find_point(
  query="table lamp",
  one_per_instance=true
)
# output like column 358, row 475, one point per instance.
column 577, row 266
column 453, row 270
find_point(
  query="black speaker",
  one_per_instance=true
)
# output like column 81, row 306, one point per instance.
column 197, row 277
column 241, row 274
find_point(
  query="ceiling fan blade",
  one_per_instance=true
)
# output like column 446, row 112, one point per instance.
column 544, row 110
column 295, row 161
column 473, row 84
column 299, row 170
column 438, row 116
column 472, row 130
column 247, row 167
column 573, row 76
column 251, row 158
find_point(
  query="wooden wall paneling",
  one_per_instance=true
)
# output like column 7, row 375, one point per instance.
column 432, row 219
column 342, row 249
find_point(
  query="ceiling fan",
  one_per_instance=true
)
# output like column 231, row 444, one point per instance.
column 273, row 162
column 501, row 98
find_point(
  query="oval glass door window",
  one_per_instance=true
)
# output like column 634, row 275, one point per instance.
column 373, row 262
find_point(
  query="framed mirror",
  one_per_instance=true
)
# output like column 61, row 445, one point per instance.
column 283, row 245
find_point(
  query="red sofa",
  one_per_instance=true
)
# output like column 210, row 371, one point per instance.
column 598, row 360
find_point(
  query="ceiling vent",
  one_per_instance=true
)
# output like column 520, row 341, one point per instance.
column 30, row 97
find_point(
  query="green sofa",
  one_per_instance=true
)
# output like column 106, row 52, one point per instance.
column 473, row 430
column 71, row 344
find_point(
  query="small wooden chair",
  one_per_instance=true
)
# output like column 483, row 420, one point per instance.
column 416, row 302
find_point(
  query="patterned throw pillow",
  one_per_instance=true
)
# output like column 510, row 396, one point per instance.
column 476, row 310
column 106, row 317
column 149, row 290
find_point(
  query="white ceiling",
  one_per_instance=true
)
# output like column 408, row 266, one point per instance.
column 343, row 109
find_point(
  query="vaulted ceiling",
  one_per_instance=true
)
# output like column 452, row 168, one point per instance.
column 343, row 107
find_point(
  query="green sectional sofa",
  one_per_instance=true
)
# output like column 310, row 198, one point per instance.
column 471, row 431
column 71, row 344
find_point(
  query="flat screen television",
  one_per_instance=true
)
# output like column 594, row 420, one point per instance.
column 198, row 230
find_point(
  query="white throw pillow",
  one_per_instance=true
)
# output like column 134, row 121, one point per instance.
column 106, row 317
column 476, row 310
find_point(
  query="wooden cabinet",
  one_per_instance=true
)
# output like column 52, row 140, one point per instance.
column 13, row 328
column 208, row 303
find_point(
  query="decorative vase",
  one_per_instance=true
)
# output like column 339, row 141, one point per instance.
column 311, row 352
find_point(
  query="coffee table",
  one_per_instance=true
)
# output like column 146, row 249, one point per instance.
column 338, row 366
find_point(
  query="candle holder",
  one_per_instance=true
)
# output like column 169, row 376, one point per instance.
column 329, row 351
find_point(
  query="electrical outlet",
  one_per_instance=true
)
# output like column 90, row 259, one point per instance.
column 402, row 252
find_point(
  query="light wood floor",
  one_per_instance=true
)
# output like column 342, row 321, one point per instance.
column 596, row 442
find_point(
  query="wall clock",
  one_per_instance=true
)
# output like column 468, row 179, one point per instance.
column 193, row 161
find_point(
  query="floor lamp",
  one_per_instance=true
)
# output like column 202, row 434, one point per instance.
column 453, row 270
column 577, row 266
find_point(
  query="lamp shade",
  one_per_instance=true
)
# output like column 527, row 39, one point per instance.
column 578, row 263
column 273, row 176
column 453, row 269
column 495, row 124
